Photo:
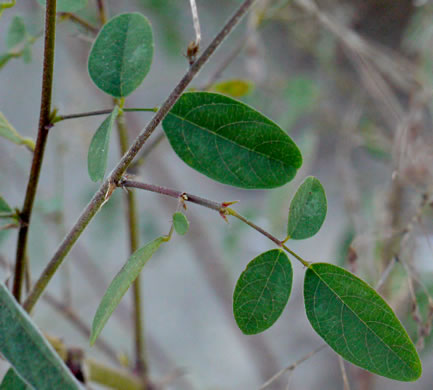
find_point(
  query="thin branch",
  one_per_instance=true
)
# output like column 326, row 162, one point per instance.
column 346, row 383
column 100, row 112
column 100, row 196
column 38, row 155
column 291, row 367
column 196, row 22
column 134, row 240
column 222, row 207
column 146, row 151
column 80, row 21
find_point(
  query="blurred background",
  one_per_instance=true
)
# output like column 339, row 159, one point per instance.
column 352, row 84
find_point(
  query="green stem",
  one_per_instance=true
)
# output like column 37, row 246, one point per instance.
column 100, row 196
column 38, row 155
column 80, row 21
column 60, row 118
column 133, row 233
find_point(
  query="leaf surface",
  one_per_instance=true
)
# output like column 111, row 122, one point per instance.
column 67, row 5
column 262, row 291
column 358, row 324
column 121, row 55
column 120, row 284
column 230, row 142
column 307, row 210
column 11, row 381
column 180, row 223
column 97, row 156
column 27, row 350
column 8, row 131
column 16, row 33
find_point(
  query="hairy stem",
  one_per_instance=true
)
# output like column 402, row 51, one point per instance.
column 134, row 238
column 38, row 155
column 100, row 196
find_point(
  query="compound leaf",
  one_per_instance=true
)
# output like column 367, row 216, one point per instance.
column 120, row 284
column 262, row 291
column 230, row 142
column 122, row 54
column 27, row 350
column 358, row 324
column 307, row 210
column 67, row 5
column 180, row 223
column 98, row 150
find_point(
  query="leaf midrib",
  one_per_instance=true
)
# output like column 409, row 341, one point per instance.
column 234, row 143
column 360, row 319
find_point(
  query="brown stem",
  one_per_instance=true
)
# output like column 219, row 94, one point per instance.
column 100, row 112
column 99, row 198
column 76, row 19
column 133, row 235
column 38, row 155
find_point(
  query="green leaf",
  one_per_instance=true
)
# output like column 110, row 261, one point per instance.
column 121, row 283
column 98, row 150
column 230, row 142
column 262, row 291
column 8, row 131
column 358, row 324
column 17, row 32
column 26, row 54
column 27, row 350
column 180, row 223
column 11, row 381
column 307, row 210
column 122, row 54
column 4, row 207
column 233, row 88
column 67, row 5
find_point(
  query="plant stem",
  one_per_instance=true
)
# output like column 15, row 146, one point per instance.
column 100, row 112
column 133, row 233
column 38, row 155
column 76, row 19
column 99, row 197
column 221, row 207
column 102, row 12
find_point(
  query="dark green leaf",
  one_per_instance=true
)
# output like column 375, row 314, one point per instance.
column 358, row 324
column 4, row 207
column 16, row 33
column 67, row 5
column 120, row 284
column 27, row 350
column 180, row 223
column 262, row 291
column 122, row 54
column 11, row 381
column 98, row 150
column 230, row 142
column 233, row 88
column 307, row 210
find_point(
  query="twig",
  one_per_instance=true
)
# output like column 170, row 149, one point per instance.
column 134, row 239
column 38, row 155
column 100, row 112
column 386, row 272
column 80, row 21
column 99, row 197
column 146, row 151
column 344, row 373
column 196, row 22
column 291, row 367
column 222, row 207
